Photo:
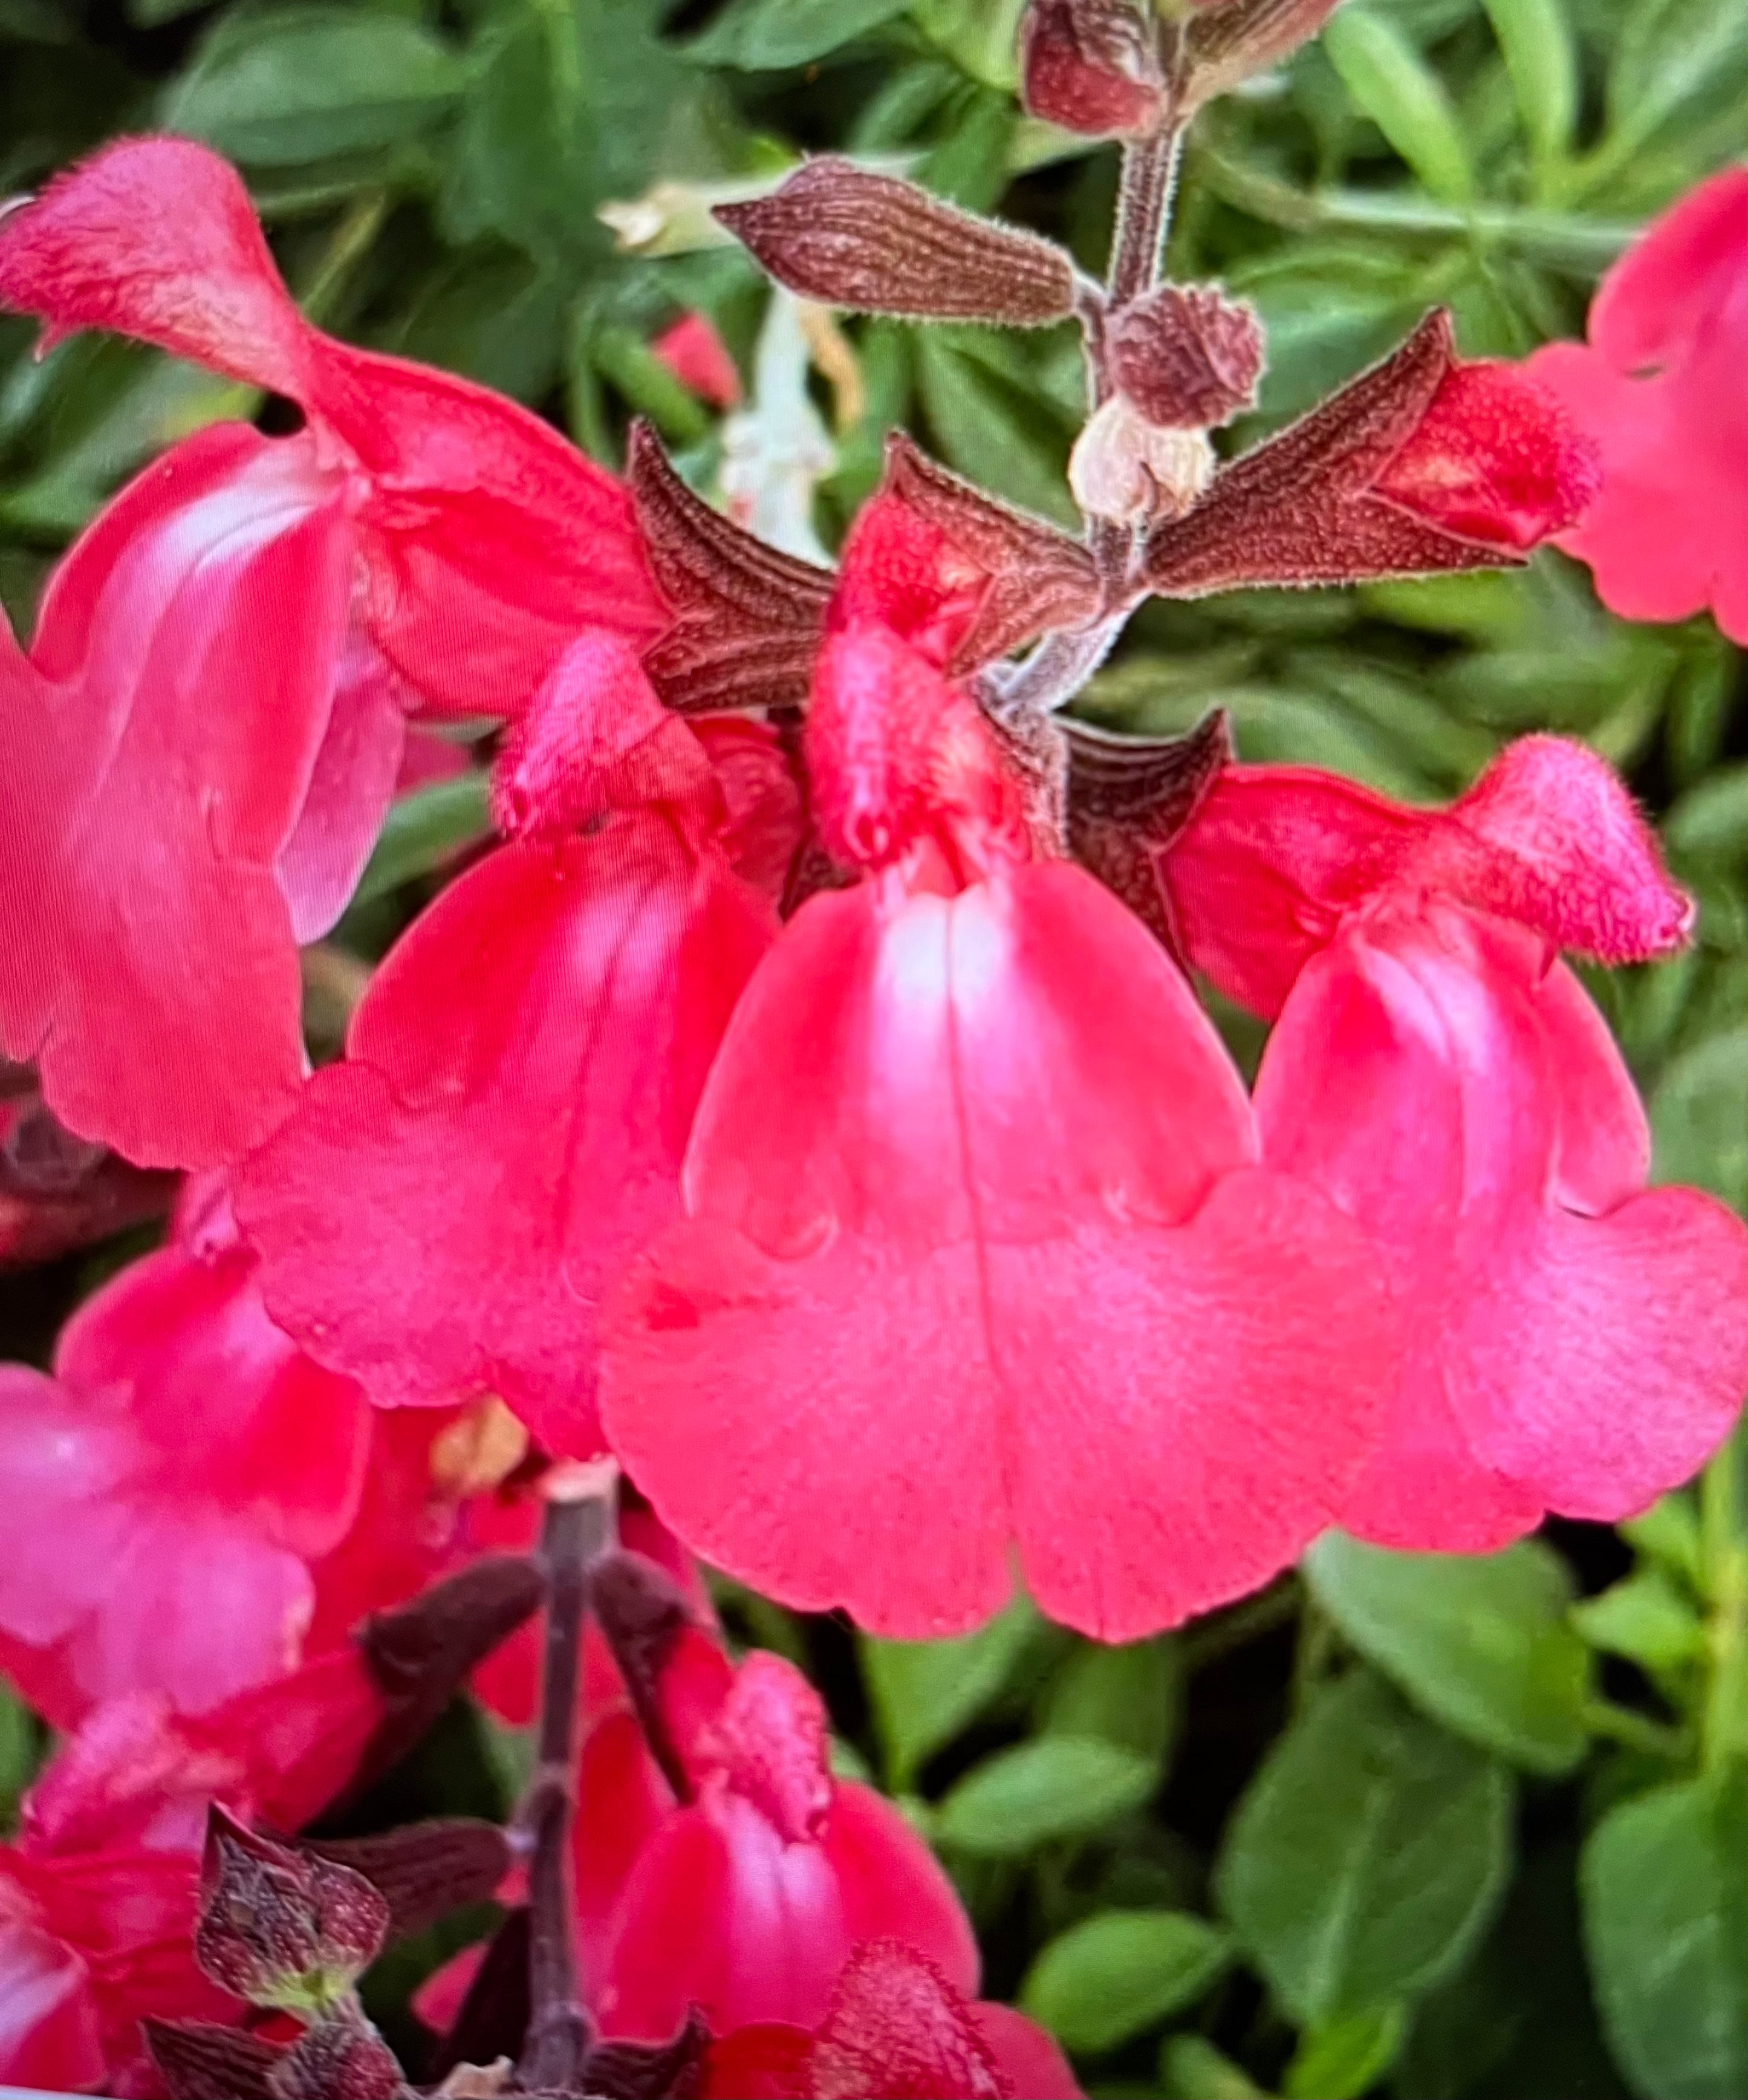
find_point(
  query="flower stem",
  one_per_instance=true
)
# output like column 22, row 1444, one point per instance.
column 1636, row 1732
column 577, row 1530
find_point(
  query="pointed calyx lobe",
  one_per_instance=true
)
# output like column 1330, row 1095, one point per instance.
column 1576, row 1342
column 1421, row 465
column 957, row 1103
column 835, row 233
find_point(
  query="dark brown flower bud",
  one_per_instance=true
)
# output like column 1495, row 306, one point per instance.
column 340, row 2058
column 1188, row 357
column 1227, row 41
column 280, row 1927
column 837, row 234
column 1127, row 471
column 1092, row 66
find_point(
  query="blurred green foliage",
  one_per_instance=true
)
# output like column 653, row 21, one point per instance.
column 1420, row 1826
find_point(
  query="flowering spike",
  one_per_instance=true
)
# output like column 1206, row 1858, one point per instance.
column 747, row 620
column 1092, row 66
column 1187, row 356
column 280, row 1927
column 1418, row 466
column 837, row 234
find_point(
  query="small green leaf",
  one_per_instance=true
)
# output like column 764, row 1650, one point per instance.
column 923, row 1692
column 1645, row 1618
column 1058, row 1786
column 1669, row 1533
column 421, row 830
column 1130, row 1695
column 989, row 424
column 1665, row 1924
column 1366, row 1857
column 1480, row 1641
column 1393, row 86
column 1536, row 39
column 1114, row 1976
column 981, row 35
column 298, row 84
column 1347, row 2057
column 1699, row 1116
column 766, row 35
column 1192, row 2069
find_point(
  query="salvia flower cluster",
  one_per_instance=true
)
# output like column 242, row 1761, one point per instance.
column 805, row 1100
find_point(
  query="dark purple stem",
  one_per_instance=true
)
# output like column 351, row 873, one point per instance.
column 577, row 1529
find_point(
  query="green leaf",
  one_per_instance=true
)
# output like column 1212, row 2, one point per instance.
column 1346, row 2057
column 1130, row 1695
column 1058, row 1786
column 1390, row 81
column 1536, row 39
column 1367, row 1855
column 1699, row 1116
column 1115, row 1975
column 1480, row 1641
column 981, row 35
column 989, row 424
column 301, row 83
column 765, row 35
column 1665, row 1924
column 1646, row 1618
column 924, row 1692
column 20, row 1752
column 421, row 830
column 1669, row 1533
column 1193, row 2069
column 1670, row 55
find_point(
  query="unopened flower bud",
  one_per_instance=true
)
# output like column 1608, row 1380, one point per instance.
column 1187, row 356
column 280, row 1927
column 1092, row 66
column 839, row 235
column 1128, row 470
column 340, row 2058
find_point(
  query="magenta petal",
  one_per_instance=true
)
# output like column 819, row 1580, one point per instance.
column 356, row 773
column 147, row 960
column 985, row 1146
column 440, row 1215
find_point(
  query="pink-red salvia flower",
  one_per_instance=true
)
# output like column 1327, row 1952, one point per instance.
column 1576, row 1342
column 440, row 1215
column 99, row 1891
column 973, row 1197
column 1659, row 386
column 195, row 753
column 897, row 2028
column 735, row 1873
column 698, row 358
column 170, row 1483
